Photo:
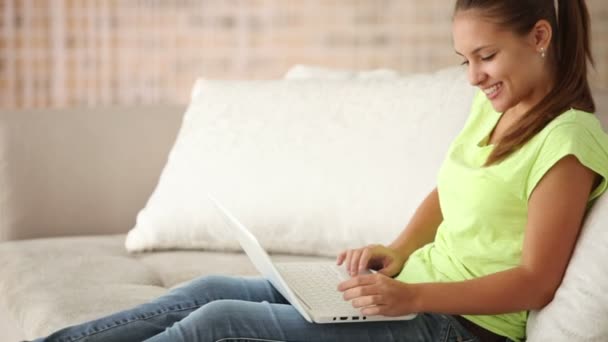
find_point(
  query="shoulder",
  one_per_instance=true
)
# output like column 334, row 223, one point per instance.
column 576, row 118
column 574, row 127
column 575, row 133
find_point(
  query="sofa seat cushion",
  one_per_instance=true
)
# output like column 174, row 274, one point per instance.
column 51, row 283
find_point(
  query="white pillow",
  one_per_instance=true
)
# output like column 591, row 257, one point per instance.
column 310, row 167
column 304, row 72
column 580, row 307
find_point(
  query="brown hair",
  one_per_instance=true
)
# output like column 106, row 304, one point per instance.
column 569, row 51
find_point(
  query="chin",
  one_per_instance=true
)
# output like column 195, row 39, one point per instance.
column 499, row 105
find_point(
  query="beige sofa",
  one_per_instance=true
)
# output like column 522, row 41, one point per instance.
column 72, row 182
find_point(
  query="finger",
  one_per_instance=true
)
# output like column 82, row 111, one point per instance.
column 353, row 267
column 389, row 270
column 340, row 258
column 349, row 254
column 364, row 260
column 360, row 280
column 364, row 301
column 360, row 291
column 373, row 310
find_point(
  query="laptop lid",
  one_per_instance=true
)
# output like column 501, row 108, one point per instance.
column 258, row 256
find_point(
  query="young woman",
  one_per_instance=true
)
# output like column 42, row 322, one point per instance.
column 489, row 243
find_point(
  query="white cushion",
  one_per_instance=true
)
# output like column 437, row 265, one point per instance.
column 303, row 72
column 310, row 166
column 580, row 307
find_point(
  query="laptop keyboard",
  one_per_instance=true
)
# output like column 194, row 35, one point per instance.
column 316, row 284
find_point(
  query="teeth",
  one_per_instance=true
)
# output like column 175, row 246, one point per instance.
column 492, row 90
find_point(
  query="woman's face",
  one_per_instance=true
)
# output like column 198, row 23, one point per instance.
column 508, row 68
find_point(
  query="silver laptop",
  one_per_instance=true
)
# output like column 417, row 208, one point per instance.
column 311, row 287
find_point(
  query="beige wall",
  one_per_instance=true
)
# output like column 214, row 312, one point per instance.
column 89, row 52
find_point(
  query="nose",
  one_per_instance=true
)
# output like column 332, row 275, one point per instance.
column 476, row 75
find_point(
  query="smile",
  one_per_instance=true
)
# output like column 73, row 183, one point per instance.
column 492, row 91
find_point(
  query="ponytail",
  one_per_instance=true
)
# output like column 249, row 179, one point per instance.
column 574, row 49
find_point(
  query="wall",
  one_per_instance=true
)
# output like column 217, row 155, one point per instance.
column 89, row 52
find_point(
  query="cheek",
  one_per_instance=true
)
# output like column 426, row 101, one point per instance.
column 500, row 69
column 525, row 76
column 512, row 74
column 525, row 66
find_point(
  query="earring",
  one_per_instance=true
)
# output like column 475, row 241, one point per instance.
column 542, row 52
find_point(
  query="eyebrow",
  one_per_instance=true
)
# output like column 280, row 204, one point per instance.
column 476, row 50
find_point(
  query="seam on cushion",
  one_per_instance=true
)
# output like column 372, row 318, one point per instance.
column 159, row 279
column 69, row 338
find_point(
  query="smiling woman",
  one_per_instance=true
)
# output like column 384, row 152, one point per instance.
column 525, row 62
column 489, row 243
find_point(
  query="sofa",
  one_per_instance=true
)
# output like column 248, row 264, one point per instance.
column 102, row 209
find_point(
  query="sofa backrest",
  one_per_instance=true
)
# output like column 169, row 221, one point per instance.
column 89, row 171
column 80, row 171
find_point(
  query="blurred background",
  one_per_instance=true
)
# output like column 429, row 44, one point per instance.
column 65, row 53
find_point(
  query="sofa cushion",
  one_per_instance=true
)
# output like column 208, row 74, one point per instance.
column 310, row 167
column 48, row 284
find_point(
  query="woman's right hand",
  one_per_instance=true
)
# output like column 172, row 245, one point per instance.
column 377, row 257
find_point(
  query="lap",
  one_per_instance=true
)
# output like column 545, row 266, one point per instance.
column 230, row 320
column 219, row 308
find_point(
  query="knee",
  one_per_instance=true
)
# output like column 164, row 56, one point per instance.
column 210, row 282
column 230, row 319
column 207, row 288
column 222, row 319
column 219, row 311
column 211, row 322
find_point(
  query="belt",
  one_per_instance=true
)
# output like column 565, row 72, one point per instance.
column 482, row 334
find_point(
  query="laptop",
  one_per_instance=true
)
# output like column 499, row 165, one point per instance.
column 311, row 287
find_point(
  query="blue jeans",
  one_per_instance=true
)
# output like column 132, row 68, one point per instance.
column 218, row 308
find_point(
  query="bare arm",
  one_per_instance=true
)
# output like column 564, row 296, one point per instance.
column 422, row 227
column 556, row 210
column 389, row 260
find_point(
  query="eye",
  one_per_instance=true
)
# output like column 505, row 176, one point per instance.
column 465, row 63
column 488, row 58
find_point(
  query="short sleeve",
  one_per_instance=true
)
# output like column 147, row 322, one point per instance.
column 571, row 138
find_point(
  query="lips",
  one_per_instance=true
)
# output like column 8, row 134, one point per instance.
column 492, row 92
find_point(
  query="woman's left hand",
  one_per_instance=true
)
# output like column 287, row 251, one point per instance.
column 377, row 294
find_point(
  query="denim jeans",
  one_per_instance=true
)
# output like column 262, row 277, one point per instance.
column 219, row 308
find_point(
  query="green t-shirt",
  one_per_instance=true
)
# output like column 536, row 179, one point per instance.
column 485, row 208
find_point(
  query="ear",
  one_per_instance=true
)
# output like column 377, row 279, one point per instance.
column 541, row 34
